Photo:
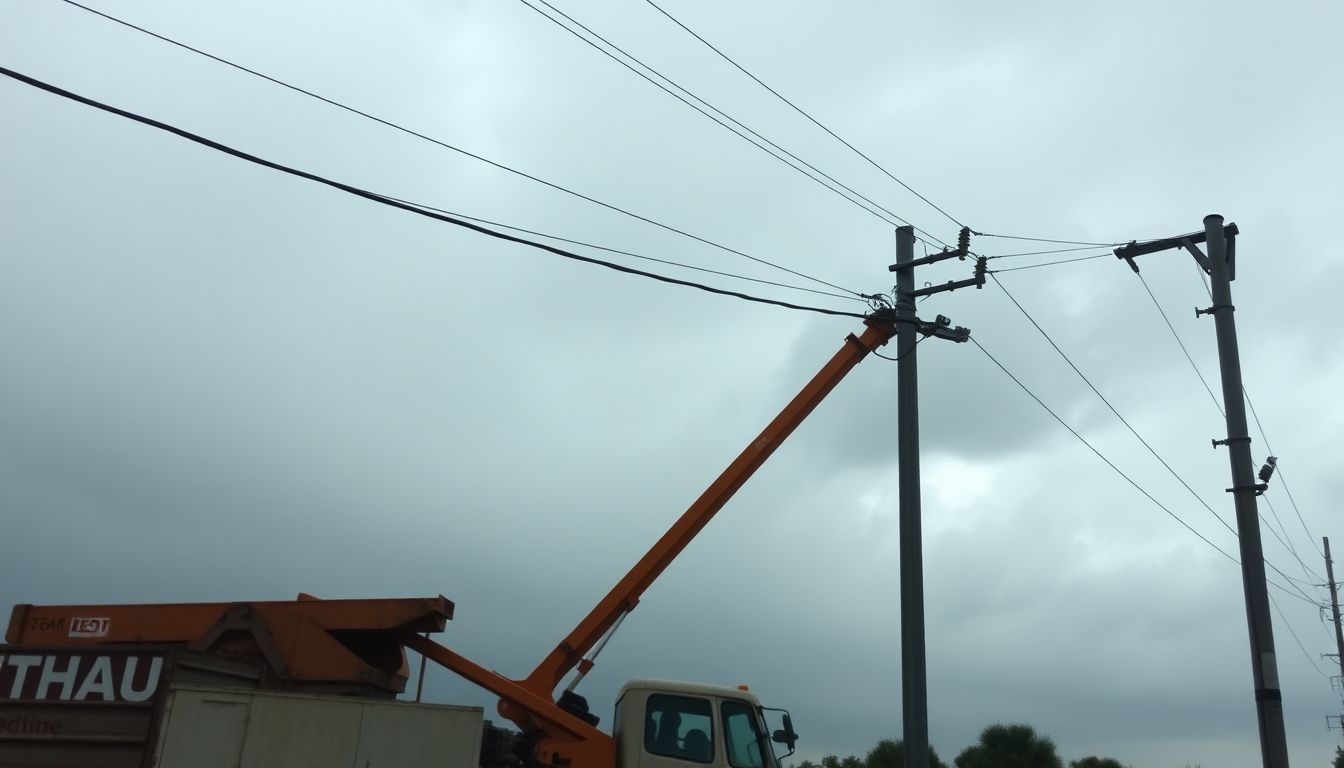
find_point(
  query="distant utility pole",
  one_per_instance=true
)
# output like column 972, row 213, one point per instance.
column 914, row 677
column 1334, row 607
column 1220, row 264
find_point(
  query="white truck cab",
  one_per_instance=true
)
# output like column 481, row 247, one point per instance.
column 666, row 724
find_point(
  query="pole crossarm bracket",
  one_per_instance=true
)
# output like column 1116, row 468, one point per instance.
column 1214, row 308
column 1134, row 249
column 941, row 328
column 960, row 252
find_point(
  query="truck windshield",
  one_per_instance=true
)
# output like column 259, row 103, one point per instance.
column 744, row 741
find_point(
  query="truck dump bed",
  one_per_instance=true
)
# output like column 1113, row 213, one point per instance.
column 244, row 685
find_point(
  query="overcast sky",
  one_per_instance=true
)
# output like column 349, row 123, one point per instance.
column 221, row 383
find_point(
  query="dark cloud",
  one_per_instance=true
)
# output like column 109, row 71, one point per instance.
column 224, row 384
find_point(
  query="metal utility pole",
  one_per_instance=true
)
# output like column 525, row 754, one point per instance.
column 1220, row 264
column 914, row 678
column 1334, row 607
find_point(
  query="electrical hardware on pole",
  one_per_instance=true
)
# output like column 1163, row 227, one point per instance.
column 1220, row 265
column 914, row 677
column 1334, row 609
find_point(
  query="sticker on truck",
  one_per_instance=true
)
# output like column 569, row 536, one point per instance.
column 90, row 627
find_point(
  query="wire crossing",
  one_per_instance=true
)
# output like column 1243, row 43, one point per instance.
column 1299, row 595
column 631, row 254
column 394, row 203
column 1204, row 280
column 1112, row 408
column 459, row 150
column 800, row 111
column 750, row 135
column 1099, row 454
column 1284, row 540
column 1050, row 263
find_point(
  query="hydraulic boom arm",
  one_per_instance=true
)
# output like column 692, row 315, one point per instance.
column 625, row 595
column 564, row 737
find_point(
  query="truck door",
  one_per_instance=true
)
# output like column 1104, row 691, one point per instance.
column 745, row 744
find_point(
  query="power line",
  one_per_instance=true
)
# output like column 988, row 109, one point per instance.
column 897, row 358
column 631, row 254
column 1181, row 344
column 894, row 218
column 1283, row 480
column 1051, row 263
column 1126, row 477
column 1289, row 547
column 459, row 150
column 1046, row 240
column 385, row 200
column 800, row 111
column 1295, row 637
column 1203, row 278
column 1130, row 427
column 1099, row 454
column 1056, row 250
column 1216, row 404
column 1298, row 595
column 1284, row 540
column 1112, row 408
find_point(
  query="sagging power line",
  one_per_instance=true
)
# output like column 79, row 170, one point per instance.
column 389, row 201
column 809, row 117
column 466, row 153
column 1284, row 540
column 719, row 117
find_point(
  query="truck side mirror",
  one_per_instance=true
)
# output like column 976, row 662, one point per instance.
column 786, row 736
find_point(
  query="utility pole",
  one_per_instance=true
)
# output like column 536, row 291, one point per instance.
column 914, row 676
column 1220, row 264
column 1334, row 607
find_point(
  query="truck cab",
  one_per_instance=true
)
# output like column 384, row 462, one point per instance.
column 665, row 724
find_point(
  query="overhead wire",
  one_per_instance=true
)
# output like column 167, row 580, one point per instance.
column 631, row 254
column 1051, row 263
column 1310, row 660
column 1045, row 240
column 1216, row 403
column 1284, row 540
column 1108, row 404
column 897, row 358
column 764, row 144
column 388, row 201
column 1098, row 453
column 802, row 112
column 1122, row 473
column 1131, row 428
column 459, row 150
column 1283, row 481
column 1042, row 253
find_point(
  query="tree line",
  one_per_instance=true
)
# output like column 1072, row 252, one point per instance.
column 999, row 746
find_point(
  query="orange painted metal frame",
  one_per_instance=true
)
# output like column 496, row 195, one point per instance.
column 625, row 595
column 344, row 643
column 567, row 740
column 297, row 639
